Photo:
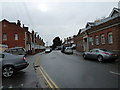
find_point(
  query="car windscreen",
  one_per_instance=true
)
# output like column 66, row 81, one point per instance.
column 104, row 50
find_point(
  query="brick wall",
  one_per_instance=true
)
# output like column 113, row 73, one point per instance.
column 98, row 30
column 79, row 43
column 11, row 29
column 113, row 46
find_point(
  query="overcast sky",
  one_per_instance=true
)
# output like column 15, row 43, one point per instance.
column 51, row 19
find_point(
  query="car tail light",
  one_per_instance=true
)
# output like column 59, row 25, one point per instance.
column 106, row 53
column 24, row 58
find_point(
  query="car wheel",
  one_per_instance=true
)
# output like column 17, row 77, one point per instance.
column 84, row 56
column 100, row 58
column 7, row 71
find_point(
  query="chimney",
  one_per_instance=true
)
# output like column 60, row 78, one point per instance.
column 23, row 26
column 18, row 22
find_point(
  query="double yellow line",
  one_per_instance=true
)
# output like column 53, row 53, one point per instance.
column 47, row 78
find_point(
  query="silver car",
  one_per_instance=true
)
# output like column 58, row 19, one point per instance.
column 47, row 50
column 16, row 51
column 12, row 63
column 68, row 50
column 100, row 55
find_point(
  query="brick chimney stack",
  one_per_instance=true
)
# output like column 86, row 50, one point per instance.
column 18, row 22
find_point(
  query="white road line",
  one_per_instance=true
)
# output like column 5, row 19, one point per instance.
column 21, row 85
column 1, row 87
column 114, row 73
column 10, row 86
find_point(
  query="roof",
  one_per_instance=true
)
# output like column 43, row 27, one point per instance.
column 117, row 10
column 4, row 20
column 115, row 13
column 90, row 24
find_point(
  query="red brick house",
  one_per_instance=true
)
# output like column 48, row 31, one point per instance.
column 104, row 33
column 14, row 35
column 69, row 41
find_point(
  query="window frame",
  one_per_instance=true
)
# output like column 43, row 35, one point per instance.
column 16, row 36
column 4, row 37
column 110, row 40
column 97, row 40
column 102, row 39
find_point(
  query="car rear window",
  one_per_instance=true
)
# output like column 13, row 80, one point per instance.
column 20, row 49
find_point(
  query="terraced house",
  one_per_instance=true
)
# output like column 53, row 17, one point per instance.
column 16, row 35
column 103, row 33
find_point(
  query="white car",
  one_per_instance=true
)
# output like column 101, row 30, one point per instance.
column 68, row 50
column 47, row 50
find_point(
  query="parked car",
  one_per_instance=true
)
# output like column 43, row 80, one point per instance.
column 16, row 51
column 12, row 63
column 48, row 50
column 63, row 48
column 68, row 50
column 58, row 48
column 100, row 55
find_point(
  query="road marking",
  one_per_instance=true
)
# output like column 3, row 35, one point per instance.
column 45, row 78
column 1, row 87
column 21, row 85
column 50, row 78
column 50, row 82
column 114, row 73
column 10, row 86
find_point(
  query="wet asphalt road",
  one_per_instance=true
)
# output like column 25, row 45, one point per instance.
column 72, row 71
column 25, row 78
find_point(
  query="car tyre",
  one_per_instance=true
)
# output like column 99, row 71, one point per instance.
column 8, row 71
column 100, row 58
column 84, row 56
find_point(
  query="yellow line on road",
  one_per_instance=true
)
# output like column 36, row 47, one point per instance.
column 50, row 79
column 46, row 78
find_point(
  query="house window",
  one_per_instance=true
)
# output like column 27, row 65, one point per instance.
column 110, row 38
column 16, row 36
column 91, row 40
column 97, row 40
column 4, row 36
column 102, row 39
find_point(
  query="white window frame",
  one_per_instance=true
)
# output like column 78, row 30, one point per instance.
column 16, row 36
column 110, row 39
column 102, row 39
column 97, row 40
column 4, row 36
column 91, row 41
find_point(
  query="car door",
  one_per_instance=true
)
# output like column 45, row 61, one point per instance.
column 91, row 54
column 96, row 54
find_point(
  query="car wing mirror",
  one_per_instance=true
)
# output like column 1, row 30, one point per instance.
column 3, row 55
